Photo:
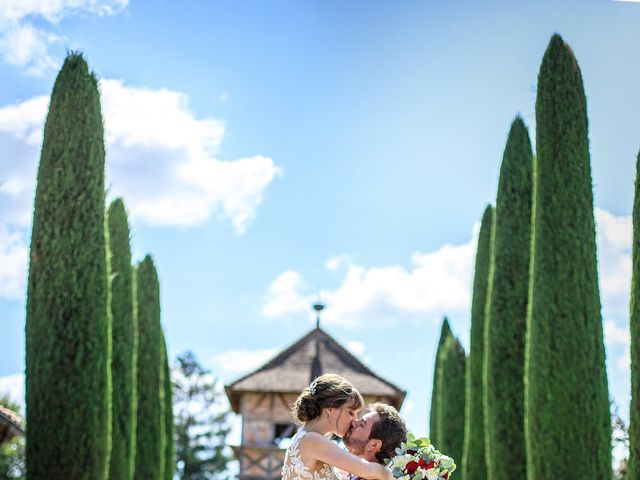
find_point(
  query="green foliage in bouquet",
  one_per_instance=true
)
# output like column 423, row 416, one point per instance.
column 169, row 450
column 418, row 459
column 507, row 311
column 566, row 395
column 125, row 346
column 445, row 332
column 68, row 327
column 451, row 404
column 150, row 437
column 634, row 425
column 473, row 461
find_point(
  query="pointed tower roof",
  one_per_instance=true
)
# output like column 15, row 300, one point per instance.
column 314, row 354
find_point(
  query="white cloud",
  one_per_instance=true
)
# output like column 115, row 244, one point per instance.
column 334, row 263
column 285, row 296
column 160, row 158
column 618, row 339
column 616, row 335
column 13, row 385
column 355, row 347
column 28, row 47
column 624, row 362
column 614, row 236
column 408, row 406
column 152, row 136
column 55, row 10
column 236, row 362
column 25, row 121
column 13, row 264
column 437, row 283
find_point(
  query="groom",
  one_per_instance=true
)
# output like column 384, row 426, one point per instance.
column 377, row 434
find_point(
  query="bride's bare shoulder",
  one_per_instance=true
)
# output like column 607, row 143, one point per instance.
column 313, row 439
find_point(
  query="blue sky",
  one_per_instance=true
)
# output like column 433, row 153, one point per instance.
column 273, row 153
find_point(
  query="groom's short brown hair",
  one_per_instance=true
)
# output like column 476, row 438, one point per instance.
column 390, row 429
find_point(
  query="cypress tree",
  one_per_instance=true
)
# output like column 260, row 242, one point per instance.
column 68, row 327
column 451, row 408
column 505, row 322
column 150, row 436
column 566, row 396
column 473, row 462
column 445, row 332
column 634, row 424
column 125, row 346
column 169, row 454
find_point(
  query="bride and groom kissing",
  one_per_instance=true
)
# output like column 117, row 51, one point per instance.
column 330, row 405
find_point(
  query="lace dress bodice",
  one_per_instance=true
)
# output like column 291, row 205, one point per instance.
column 294, row 469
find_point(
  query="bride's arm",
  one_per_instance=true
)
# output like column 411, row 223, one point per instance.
column 324, row 450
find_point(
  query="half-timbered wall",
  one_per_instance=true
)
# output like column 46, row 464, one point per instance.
column 264, row 414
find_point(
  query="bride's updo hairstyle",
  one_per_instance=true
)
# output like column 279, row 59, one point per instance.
column 326, row 391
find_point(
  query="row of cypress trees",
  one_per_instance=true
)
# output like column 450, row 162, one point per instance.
column 92, row 322
column 537, row 402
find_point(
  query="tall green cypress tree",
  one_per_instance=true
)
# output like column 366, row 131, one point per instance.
column 566, row 395
column 150, row 436
column 68, row 328
column 125, row 346
column 634, row 424
column 473, row 461
column 445, row 332
column 505, row 323
column 169, row 452
column 451, row 408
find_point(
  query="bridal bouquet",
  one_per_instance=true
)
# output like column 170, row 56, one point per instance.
column 418, row 459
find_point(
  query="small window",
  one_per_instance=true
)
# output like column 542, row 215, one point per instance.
column 283, row 434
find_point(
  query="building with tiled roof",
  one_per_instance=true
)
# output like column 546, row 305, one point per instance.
column 264, row 398
column 10, row 424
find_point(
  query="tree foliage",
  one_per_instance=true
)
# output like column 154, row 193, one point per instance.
column 12, row 453
column 445, row 332
column 125, row 346
column 451, row 404
column 634, row 424
column 201, row 422
column 473, row 461
column 68, row 328
column 566, row 393
column 507, row 311
column 169, row 451
column 150, row 437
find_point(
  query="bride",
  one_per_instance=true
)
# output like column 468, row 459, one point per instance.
column 329, row 405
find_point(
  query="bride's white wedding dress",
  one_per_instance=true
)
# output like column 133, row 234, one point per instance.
column 294, row 469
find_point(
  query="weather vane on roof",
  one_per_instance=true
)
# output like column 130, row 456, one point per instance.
column 318, row 307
